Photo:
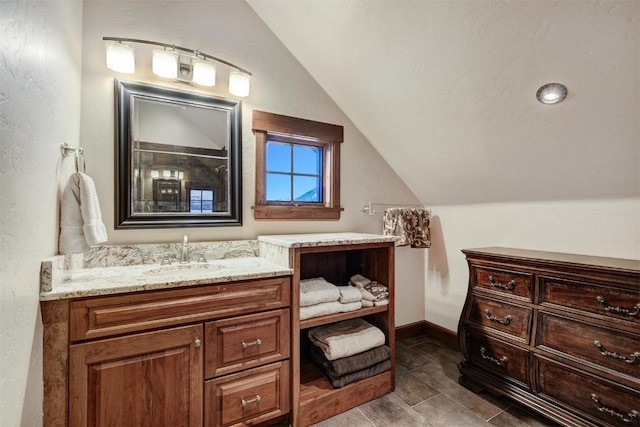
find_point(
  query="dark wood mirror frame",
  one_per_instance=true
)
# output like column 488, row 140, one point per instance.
column 125, row 217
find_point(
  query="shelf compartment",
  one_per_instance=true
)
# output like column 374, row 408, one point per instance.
column 332, row 318
column 319, row 400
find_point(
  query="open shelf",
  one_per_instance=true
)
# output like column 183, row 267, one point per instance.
column 323, row 320
column 319, row 400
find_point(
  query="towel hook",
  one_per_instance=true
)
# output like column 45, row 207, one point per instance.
column 66, row 150
column 79, row 155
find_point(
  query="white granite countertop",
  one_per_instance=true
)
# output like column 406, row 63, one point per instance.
column 324, row 239
column 97, row 281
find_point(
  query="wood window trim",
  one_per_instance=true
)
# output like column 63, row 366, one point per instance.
column 299, row 131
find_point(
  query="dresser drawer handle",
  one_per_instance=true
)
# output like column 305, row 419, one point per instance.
column 504, row 321
column 500, row 362
column 258, row 341
column 634, row 356
column 619, row 310
column 254, row 400
column 509, row 286
column 626, row 418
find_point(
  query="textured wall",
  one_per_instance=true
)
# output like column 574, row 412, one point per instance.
column 40, row 46
column 592, row 227
column 231, row 30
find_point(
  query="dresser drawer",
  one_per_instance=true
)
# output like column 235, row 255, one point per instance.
column 605, row 347
column 105, row 316
column 507, row 318
column 597, row 399
column 248, row 397
column 611, row 302
column 508, row 282
column 246, row 341
column 499, row 357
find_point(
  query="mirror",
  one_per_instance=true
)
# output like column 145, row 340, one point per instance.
column 178, row 158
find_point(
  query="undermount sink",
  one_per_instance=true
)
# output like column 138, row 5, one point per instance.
column 183, row 268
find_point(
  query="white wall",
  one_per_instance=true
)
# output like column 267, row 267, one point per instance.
column 231, row 30
column 40, row 45
column 608, row 228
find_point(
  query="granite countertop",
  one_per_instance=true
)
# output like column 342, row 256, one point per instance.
column 324, row 239
column 88, row 282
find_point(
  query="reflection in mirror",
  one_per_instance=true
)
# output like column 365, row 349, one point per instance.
column 179, row 158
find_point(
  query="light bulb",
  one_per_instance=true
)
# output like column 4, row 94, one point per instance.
column 204, row 73
column 165, row 63
column 239, row 83
column 120, row 58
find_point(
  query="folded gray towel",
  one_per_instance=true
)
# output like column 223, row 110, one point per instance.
column 346, row 338
column 362, row 374
column 347, row 365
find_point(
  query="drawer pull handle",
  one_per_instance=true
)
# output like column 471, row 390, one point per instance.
column 197, row 342
column 500, row 362
column 509, row 286
column 258, row 341
column 254, row 400
column 626, row 418
column 504, row 321
column 634, row 356
column 619, row 310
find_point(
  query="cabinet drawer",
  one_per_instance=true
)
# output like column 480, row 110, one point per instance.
column 508, row 318
column 611, row 302
column 606, row 347
column 508, row 282
column 246, row 341
column 248, row 397
column 105, row 316
column 597, row 399
column 499, row 357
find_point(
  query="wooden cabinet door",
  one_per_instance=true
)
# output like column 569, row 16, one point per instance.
column 149, row 379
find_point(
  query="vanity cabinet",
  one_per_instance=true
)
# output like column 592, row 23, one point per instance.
column 313, row 397
column 558, row 333
column 213, row 355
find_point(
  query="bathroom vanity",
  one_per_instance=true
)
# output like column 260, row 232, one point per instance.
column 128, row 341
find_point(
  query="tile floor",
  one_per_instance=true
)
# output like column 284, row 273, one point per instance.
column 428, row 394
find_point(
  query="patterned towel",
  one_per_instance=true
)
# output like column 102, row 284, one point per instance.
column 411, row 225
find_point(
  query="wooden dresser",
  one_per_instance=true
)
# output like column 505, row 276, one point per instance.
column 558, row 333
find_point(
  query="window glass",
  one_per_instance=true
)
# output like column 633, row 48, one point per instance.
column 307, row 159
column 278, row 157
column 307, row 189
column 278, row 187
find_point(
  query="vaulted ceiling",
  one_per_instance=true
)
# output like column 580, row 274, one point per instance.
column 445, row 91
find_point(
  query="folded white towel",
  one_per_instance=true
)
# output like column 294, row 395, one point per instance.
column 366, row 295
column 80, row 219
column 381, row 302
column 359, row 280
column 349, row 294
column 346, row 338
column 322, row 309
column 316, row 291
column 367, row 303
column 350, row 306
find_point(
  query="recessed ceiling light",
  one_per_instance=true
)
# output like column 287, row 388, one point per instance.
column 552, row 93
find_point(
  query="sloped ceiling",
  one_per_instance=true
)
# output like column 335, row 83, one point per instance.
column 445, row 91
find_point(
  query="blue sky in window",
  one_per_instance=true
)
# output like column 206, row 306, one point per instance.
column 306, row 160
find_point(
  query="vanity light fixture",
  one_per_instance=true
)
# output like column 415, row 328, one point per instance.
column 552, row 93
column 120, row 58
column 179, row 63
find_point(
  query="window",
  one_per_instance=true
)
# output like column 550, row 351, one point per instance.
column 297, row 168
column 201, row 200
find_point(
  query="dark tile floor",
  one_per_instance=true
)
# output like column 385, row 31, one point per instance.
column 428, row 394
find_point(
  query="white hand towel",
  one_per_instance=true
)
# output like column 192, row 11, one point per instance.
column 80, row 219
column 359, row 281
column 349, row 294
column 350, row 306
column 316, row 291
column 323, row 309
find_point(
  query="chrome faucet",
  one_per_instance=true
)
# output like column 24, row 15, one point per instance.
column 184, row 254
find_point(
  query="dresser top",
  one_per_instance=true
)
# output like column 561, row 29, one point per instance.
column 556, row 258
